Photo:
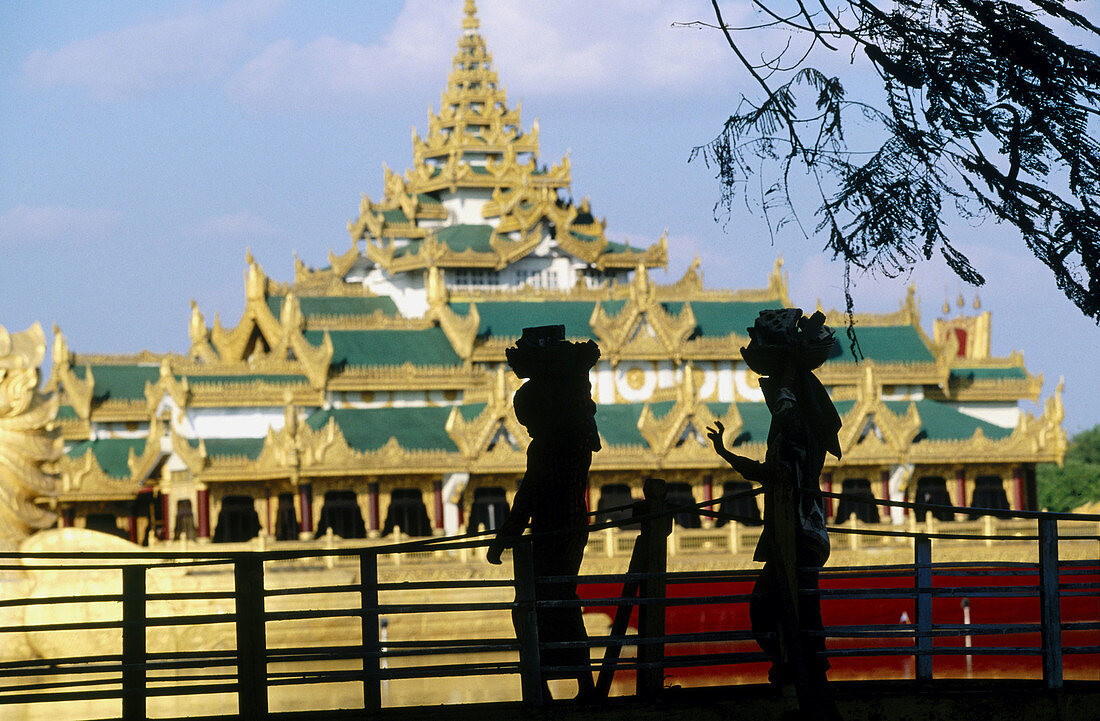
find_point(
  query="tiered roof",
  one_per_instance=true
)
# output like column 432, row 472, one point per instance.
column 343, row 383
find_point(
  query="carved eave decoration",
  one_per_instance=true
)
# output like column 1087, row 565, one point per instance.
column 168, row 384
column 157, row 447
column 494, row 441
column 78, row 392
column 83, row 479
column 678, row 438
column 655, row 256
column 461, row 330
column 325, row 452
column 642, row 328
column 260, row 337
column 871, row 433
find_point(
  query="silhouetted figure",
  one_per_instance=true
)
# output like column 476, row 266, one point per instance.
column 555, row 405
column 785, row 347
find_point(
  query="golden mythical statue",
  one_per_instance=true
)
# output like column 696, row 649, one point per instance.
column 28, row 442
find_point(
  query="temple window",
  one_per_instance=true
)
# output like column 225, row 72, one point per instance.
column 488, row 510
column 865, row 510
column 340, row 512
column 407, row 512
column 237, row 520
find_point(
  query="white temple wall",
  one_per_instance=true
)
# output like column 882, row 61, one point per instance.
column 234, row 422
column 464, row 207
column 1005, row 415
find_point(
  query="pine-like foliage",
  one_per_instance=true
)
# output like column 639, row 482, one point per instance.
column 986, row 109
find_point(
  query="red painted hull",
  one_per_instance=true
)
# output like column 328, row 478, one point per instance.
column 839, row 611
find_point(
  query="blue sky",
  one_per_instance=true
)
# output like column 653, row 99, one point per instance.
column 145, row 145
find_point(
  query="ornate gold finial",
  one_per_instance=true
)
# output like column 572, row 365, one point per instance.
column 977, row 302
column 470, row 22
column 946, row 306
column 197, row 329
column 255, row 280
column 961, row 301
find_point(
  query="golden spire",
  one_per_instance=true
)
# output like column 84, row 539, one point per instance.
column 470, row 22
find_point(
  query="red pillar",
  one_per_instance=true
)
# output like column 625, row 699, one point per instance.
column 1019, row 497
column 131, row 527
column 960, row 487
column 165, row 510
column 375, row 519
column 884, row 511
column 827, row 486
column 305, row 506
column 202, row 500
column 708, row 489
column 269, row 527
column 68, row 517
column 437, row 492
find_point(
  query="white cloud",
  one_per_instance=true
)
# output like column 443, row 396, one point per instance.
column 565, row 48
column 23, row 223
column 244, row 224
column 333, row 72
column 195, row 45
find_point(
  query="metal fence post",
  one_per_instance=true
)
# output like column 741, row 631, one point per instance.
column 248, row 596
column 526, row 623
column 372, row 662
column 133, row 643
column 1050, row 611
column 922, row 552
column 651, row 615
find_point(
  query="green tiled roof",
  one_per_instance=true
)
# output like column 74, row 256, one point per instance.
column 336, row 305
column 66, row 413
column 507, row 319
column 110, row 453
column 618, row 424
column 426, row 199
column 388, row 347
column 462, row 237
column 396, row 216
column 471, row 411
column 756, row 419
column 721, row 318
column 228, row 447
column 884, row 344
column 119, row 382
column 368, row 429
column 941, row 422
column 975, row 374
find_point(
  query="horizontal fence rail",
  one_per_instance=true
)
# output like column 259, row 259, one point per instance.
column 228, row 629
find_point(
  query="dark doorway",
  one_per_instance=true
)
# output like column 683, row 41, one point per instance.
column 679, row 494
column 613, row 496
column 237, row 520
column 407, row 512
column 856, row 489
column 989, row 492
column 340, row 512
column 933, row 490
column 488, row 510
column 743, row 508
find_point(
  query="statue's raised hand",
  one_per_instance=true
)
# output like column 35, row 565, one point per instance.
column 715, row 435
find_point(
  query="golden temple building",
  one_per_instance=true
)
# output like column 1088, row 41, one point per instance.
column 372, row 394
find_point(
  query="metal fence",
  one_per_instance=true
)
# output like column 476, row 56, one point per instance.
column 249, row 596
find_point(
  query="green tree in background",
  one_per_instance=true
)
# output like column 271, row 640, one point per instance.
column 1078, row 481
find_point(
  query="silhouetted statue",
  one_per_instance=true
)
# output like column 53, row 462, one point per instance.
column 555, row 405
column 785, row 347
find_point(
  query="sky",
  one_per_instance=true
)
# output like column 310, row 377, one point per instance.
column 145, row 145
